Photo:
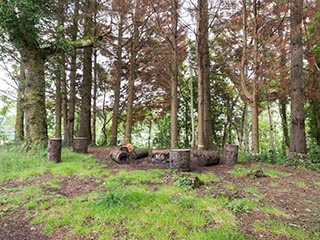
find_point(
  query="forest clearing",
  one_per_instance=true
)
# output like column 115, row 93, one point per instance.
column 193, row 79
column 89, row 196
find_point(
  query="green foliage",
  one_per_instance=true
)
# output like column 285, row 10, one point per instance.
column 311, row 161
column 162, row 136
column 241, row 205
column 188, row 182
column 22, row 20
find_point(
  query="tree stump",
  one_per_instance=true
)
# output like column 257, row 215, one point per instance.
column 159, row 156
column 80, row 145
column 54, row 149
column 180, row 159
column 207, row 158
column 230, row 154
column 119, row 156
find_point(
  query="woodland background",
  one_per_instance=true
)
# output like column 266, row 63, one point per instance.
column 163, row 74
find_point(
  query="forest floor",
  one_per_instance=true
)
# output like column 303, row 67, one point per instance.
column 288, row 199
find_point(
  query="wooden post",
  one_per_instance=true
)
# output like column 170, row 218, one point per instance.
column 54, row 150
column 230, row 154
column 80, row 145
column 180, row 159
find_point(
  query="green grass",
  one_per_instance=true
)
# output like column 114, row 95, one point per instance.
column 278, row 228
column 122, row 204
column 241, row 171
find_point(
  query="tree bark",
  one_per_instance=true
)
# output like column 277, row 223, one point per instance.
column 180, row 159
column 80, row 145
column 119, row 156
column 35, row 104
column 174, row 77
column 85, row 112
column 207, row 158
column 297, row 133
column 117, row 82
column 73, row 73
column 205, row 131
column 54, row 150
column 256, row 80
column 230, row 154
column 132, row 73
column 95, row 92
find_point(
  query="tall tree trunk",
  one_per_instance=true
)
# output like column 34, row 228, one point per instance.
column 35, row 103
column 255, row 101
column 58, row 102
column 60, row 76
column 192, row 110
column 117, row 83
column 203, row 75
column 95, row 90
column 73, row 73
column 85, row 113
column 19, row 125
column 174, row 77
column 284, row 124
column 132, row 74
column 297, row 132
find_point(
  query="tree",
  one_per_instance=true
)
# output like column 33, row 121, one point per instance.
column 203, row 63
column 85, row 112
column 297, row 131
column 120, row 9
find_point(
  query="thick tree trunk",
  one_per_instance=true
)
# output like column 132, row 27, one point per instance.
column 205, row 140
column 85, row 113
column 19, row 125
column 297, row 133
column 35, row 104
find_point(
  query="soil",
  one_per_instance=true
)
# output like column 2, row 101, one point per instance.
column 297, row 195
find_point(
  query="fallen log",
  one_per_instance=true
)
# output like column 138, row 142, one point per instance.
column 119, row 156
column 137, row 154
column 207, row 158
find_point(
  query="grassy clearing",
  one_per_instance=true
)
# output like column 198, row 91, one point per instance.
column 242, row 171
column 151, row 204
column 277, row 228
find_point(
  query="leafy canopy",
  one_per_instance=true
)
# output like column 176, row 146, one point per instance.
column 23, row 20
